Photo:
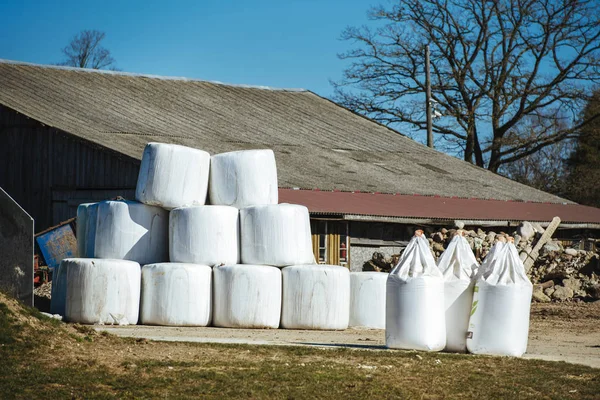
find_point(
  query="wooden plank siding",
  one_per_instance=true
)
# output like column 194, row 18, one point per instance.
column 47, row 170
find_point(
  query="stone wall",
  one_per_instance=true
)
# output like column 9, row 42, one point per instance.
column 361, row 254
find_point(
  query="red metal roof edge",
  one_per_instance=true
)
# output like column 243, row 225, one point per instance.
column 437, row 207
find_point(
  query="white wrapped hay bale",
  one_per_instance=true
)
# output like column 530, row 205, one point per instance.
column 459, row 267
column 499, row 323
column 133, row 231
column 176, row 294
column 415, row 314
column 367, row 299
column 87, row 215
column 173, row 176
column 315, row 297
column 243, row 178
column 276, row 234
column 204, row 235
column 102, row 291
column 246, row 296
column 58, row 295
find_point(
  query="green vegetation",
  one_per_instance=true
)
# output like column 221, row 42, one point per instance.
column 41, row 360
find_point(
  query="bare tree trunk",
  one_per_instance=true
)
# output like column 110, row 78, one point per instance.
column 494, row 163
column 478, row 153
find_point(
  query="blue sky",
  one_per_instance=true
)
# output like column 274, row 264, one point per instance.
column 292, row 43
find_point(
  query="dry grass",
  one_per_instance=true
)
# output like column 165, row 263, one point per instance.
column 44, row 359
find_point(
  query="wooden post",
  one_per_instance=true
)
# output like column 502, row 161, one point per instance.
column 428, row 99
column 546, row 236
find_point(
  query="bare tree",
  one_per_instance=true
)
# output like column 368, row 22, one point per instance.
column 85, row 51
column 545, row 169
column 582, row 183
column 493, row 63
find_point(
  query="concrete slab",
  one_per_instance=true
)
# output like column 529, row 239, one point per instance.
column 548, row 347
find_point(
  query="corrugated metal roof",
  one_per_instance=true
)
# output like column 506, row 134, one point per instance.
column 317, row 143
column 435, row 207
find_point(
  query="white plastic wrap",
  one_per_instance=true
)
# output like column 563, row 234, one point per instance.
column 315, row 297
column 176, row 294
column 133, row 231
column 173, row 176
column 276, row 234
column 243, row 178
column 458, row 266
column 415, row 313
column 499, row 323
column 59, row 289
column 367, row 299
column 204, row 235
column 246, row 296
column 102, row 291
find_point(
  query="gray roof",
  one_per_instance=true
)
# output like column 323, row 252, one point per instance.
column 317, row 143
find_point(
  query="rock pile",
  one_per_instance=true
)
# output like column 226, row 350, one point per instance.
column 558, row 274
column 44, row 290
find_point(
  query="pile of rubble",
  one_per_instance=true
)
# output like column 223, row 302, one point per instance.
column 558, row 273
column 44, row 290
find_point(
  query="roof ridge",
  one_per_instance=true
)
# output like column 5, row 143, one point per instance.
column 150, row 76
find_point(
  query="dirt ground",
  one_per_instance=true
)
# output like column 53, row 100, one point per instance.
column 558, row 332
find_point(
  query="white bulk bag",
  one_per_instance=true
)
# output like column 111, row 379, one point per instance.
column 276, row 234
column 415, row 314
column 243, row 178
column 83, row 212
column 131, row 231
column 173, row 176
column 458, row 266
column 58, row 295
column 246, row 296
column 204, row 235
column 367, row 299
column 315, row 297
column 176, row 294
column 102, row 291
column 491, row 256
column 499, row 323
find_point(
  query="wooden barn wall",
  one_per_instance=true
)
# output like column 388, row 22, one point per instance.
column 49, row 172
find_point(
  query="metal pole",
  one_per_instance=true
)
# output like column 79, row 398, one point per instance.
column 428, row 99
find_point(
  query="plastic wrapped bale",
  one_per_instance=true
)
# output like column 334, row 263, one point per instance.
column 85, row 212
column 173, row 176
column 243, row 178
column 246, row 296
column 315, row 297
column 102, row 291
column 367, row 299
column 204, row 235
column 459, row 267
column 176, row 294
column 58, row 295
column 277, row 234
column 415, row 314
column 499, row 323
column 132, row 231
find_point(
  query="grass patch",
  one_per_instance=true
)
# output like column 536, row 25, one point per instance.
column 43, row 360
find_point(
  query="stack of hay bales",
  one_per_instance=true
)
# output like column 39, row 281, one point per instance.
column 242, row 261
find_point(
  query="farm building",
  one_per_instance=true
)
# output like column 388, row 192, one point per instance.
column 70, row 136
